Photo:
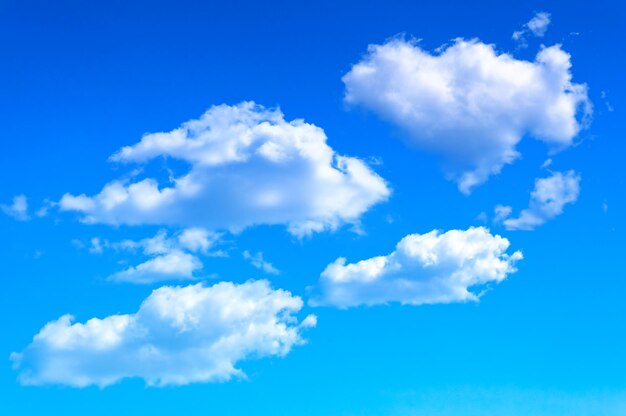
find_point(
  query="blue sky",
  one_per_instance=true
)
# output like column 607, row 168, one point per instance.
column 440, row 235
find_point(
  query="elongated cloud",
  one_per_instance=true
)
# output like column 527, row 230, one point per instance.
column 248, row 166
column 537, row 26
column 469, row 103
column 190, row 239
column 180, row 335
column 547, row 200
column 170, row 258
column 258, row 261
column 173, row 265
column 424, row 269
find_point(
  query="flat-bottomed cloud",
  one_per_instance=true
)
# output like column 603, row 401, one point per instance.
column 424, row 269
column 248, row 166
column 180, row 335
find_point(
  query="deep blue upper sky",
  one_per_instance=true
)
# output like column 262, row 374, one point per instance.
column 80, row 80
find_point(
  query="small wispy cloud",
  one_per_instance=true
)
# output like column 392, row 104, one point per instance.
column 537, row 27
column 547, row 201
column 608, row 105
column 259, row 262
column 18, row 209
column 169, row 257
column 97, row 245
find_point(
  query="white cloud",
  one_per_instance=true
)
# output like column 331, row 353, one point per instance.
column 469, row 103
column 18, row 209
column 424, row 269
column 197, row 239
column 609, row 107
column 547, row 200
column 45, row 207
column 97, row 245
column 547, row 163
column 537, row 26
column 170, row 257
column 259, row 262
column 159, row 244
column 518, row 35
column 248, row 166
column 501, row 213
column 482, row 217
column 174, row 265
column 180, row 335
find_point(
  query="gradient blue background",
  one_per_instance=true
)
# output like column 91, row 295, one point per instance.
column 78, row 80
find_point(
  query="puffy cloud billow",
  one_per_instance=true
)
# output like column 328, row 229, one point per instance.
column 248, row 166
column 180, row 335
column 469, row 103
column 424, row 269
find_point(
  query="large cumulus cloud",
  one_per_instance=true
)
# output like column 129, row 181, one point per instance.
column 180, row 335
column 469, row 103
column 426, row 268
column 248, row 166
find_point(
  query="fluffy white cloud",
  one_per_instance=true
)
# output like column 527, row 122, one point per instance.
column 248, row 166
column 424, row 269
column 259, row 262
column 174, row 265
column 197, row 239
column 547, row 200
column 169, row 257
column 469, row 103
column 537, row 26
column 18, row 209
column 180, row 335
